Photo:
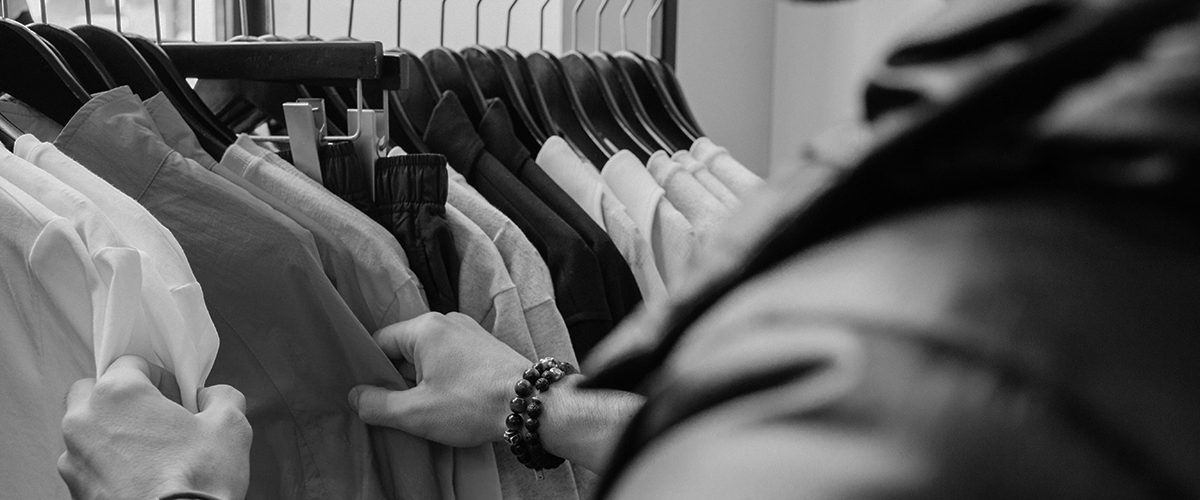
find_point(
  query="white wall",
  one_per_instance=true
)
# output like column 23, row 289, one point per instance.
column 725, row 57
column 823, row 56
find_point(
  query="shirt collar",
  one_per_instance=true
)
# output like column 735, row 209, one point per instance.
column 450, row 132
column 117, row 137
column 176, row 132
column 634, row 186
column 496, row 129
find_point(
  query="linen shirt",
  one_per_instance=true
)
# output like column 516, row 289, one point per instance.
column 288, row 341
column 667, row 231
column 583, row 183
column 49, row 295
column 710, row 182
column 724, row 167
column 140, row 315
column 388, row 286
column 702, row 209
column 145, row 233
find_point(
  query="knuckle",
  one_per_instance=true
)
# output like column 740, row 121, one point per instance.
column 115, row 389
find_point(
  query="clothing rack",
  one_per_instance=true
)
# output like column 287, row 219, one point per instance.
column 258, row 22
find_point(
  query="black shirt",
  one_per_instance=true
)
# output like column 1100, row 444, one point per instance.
column 578, row 285
column 620, row 287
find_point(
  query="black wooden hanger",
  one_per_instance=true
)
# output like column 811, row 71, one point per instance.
column 496, row 83
column 177, row 86
column 127, row 66
column 587, row 90
column 412, row 105
column 36, row 75
column 625, row 94
column 654, row 98
column 568, row 113
column 9, row 133
column 77, row 55
column 665, row 76
column 452, row 73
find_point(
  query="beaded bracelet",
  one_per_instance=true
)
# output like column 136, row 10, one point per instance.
column 526, row 408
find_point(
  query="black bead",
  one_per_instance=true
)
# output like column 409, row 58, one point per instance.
column 524, row 388
column 532, row 423
column 546, row 364
column 517, row 405
column 531, row 374
column 534, row 408
column 542, row 384
column 513, row 421
column 519, row 449
column 524, row 459
column 555, row 374
column 534, row 441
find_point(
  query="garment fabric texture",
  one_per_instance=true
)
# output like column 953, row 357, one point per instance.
column 620, row 286
column 710, row 182
column 578, row 286
column 50, row 292
column 140, row 315
column 145, row 233
column 726, row 168
column 581, row 180
column 288, row 342
column 1033, row 336
column 669, row 234
column 410, row 202
column 340, row 167
column 702, row 209
column 335, row 258
column 389, row 287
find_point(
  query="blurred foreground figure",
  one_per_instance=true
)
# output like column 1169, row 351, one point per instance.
column 996, row 299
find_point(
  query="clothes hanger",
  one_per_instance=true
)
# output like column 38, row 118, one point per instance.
column 412, row 105
column 586, row 90
column 663, row 130
column 515, row 67
column 9, row 133
column 663, row 78
column 75, row 53
column 452, row 73
column 495, row 82
column 653, row 94
column 175, row 84
column 44, row 82
column 128, row 67
column 552, row 94
column 626, row 107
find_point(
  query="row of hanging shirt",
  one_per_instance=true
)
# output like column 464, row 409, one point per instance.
column 125, row 205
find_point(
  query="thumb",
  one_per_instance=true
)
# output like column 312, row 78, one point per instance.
column 220, row 397
column 401, row 410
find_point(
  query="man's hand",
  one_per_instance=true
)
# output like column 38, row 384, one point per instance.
column 464, row 380
column 125, row 439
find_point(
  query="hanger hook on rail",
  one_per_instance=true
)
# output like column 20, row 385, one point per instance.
column 117, row 10
column 650, row 27
column 542, row 26
column 350, row 22
column 508, row 22
column 157, row 22
column 478, row 4
column 624, row 15
column 399, row 21
column 600, row 22
column 442, row 33
column 575, row 24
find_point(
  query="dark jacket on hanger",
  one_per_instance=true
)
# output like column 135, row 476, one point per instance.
column 578, row 281
column 620, row 286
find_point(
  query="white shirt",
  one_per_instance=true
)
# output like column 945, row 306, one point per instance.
column 732, row 174
column 702, row 209
column 140, row 315
column 49, row 292
column 584, row 184
column 668, row 232
column 710, row 182
column 192, row 343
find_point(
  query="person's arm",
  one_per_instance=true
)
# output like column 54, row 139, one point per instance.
column 465, row 379
column 125, row 439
